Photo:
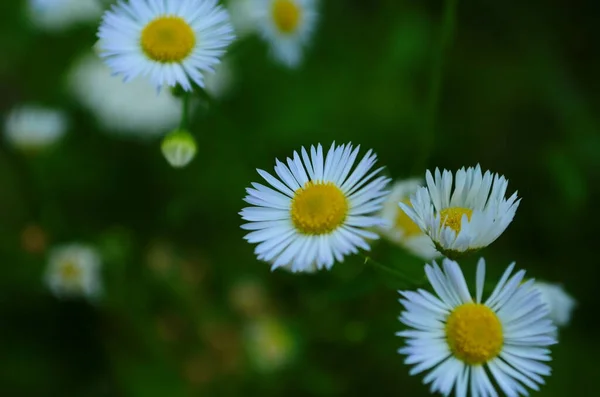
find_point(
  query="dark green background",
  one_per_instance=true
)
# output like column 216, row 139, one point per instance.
column 520, row 97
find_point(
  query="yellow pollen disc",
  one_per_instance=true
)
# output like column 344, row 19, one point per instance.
column 318, row 208
column 404, row 223
column 474, row 333
column 70, row 272
column 168, row 39
column 286, row 15
column 452, row 217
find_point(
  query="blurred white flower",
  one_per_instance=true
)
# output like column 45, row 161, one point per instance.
column 241, row 13
column 269, row 344
column 560, row 303
column 218, row 84
column 31, row 127
column 132, row 108
column 399, row 228
column 179, row 148
column 56, row 15
column 288, row 26
column 74, row 270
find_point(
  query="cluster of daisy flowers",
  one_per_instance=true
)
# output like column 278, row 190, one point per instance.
column 317, row 208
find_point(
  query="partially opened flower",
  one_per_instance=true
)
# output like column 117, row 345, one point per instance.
column 467, row 344
column 318, row 211
column 464, row 219
column 559, row 302
column 399, row 228
column 74, row 270
column 170, row 42
column 32, row 128
column 288, row 25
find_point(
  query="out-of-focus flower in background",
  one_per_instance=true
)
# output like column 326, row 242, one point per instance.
column 560, row 303
column 219, row 83
column 32, row 128
column 170, row 43
column 288, row 26
column 399, row 228
column 269, row 343
column 59, row 15
column 74, row 270
column 242, row 16
column 133, row 108
column 34, row 239
column 248, row 298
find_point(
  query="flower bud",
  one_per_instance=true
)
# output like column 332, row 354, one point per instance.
column 179, row 148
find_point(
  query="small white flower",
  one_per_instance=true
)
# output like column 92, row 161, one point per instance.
column 288, row 25
column 318, row 211
column 467, row 218
column 179, row 148
column 462, row 342
column 57, row 15
column 74, row 270
column 132, row 108
column 560, row 303
column 170, row 42
column 242, row 16
column 32, row 127
column 399, row 228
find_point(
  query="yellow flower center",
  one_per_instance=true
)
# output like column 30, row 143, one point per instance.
column 474, row 333
column 286, row 15
column 318, row 208
column 70, row 272
column 452, row 217
column 168, row 39
column 404, row 223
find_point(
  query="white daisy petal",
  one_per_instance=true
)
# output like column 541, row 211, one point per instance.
column 467, row 218
column 170, row 43
column 461, row 343
column 309, row 218
column 399, row 228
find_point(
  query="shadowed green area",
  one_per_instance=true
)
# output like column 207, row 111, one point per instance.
column 519, row 95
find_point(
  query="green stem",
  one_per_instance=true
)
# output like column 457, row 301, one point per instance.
column 437, row 74
column 185, row 106
column 389, row 270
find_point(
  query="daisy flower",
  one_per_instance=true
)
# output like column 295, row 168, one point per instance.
column 132, row 109
column 57, row 15
column 74, row 270
column 464, row 219
column 170, row 42
column 288, row 26
column 559, row 302
column 465, row 344
column 399, row 228
column 318, row 211
column 32, row 127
